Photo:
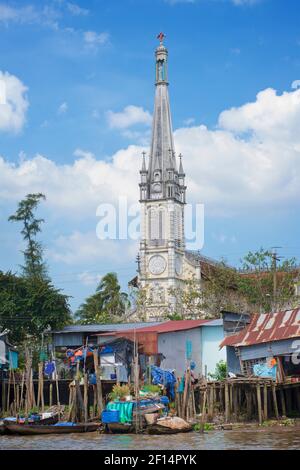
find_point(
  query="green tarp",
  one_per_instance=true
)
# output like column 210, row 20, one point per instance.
column 125, row 409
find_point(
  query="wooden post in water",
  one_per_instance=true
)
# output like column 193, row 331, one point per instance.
column 85, row 398
column 203, row 415
column 98, row 383
column 22, row 391
column 8, row 391
column 57, row 386
column 227, row 403
column 50, row 394
column 259, row 410
column 235, row 400
column 265, row 401
column 283, row 407
column 3, row 397
column 275, row 400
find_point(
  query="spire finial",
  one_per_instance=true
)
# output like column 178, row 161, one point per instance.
column 181, row 172
column 144, row 162
column 161, row 37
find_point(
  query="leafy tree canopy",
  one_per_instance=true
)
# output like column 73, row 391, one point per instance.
column 28, row 308
column 107, row 305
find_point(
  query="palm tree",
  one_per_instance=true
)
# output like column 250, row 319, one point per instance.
column 107, row 305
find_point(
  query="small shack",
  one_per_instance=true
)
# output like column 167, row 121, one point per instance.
column 171, row 343
column 268, row 347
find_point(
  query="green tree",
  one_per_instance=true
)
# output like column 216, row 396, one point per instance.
column 220, row 371
column 28, row 308
column 34, row 266
column 259, row 285
column 108, row 304
column 268, row 283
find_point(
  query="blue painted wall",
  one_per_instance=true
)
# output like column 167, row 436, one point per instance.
column 211, row 337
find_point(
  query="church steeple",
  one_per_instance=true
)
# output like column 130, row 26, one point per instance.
column 162, row 171
column 162, row 198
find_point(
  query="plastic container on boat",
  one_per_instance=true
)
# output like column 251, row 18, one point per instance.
column 111, row 416
column 164, row 400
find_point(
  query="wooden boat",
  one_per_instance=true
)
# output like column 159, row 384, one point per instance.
column 120, row 428
column 35, row 429
column 41, row 422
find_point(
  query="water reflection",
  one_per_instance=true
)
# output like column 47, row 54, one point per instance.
column 283, row 438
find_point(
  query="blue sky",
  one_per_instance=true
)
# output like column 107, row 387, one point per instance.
column 80, row 89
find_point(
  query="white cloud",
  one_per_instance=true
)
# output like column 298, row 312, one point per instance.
column 76, row 10
column 93, row 40
column 74, row 190
column 130, row 116
column 250, row 162
column 29, row 14
column 63, row 108
column 89, row 279
column 14, row 103
column 295, row 84
column 80, row 248
column 189, row 121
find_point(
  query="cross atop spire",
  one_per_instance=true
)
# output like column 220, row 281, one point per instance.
column 161, row 37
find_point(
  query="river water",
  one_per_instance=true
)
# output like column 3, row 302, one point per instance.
column 260, row 438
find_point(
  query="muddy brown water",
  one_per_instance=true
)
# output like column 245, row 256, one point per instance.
column 263, row 438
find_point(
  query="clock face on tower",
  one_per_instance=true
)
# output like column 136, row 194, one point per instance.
column 157, row 264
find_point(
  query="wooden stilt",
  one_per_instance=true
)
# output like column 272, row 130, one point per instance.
column 259, row 410
column 282, row 399
column 203, row 415
column 98, row 383
column 235, row 400
column 265, row 401
column 3, row 396
column 289, row 401
column 231, row 397
column 85, row 398
column 275, row 400
column 297, row 392
column 227, row 403
column 50, row 394
column 249, row 402
column 8, row 391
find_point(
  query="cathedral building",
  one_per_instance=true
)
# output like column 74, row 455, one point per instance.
column 164, row 263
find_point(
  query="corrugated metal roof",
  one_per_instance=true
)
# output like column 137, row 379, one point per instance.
column 216, row 322
column 97, row 328
column 265, row 328
column 169, row 326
